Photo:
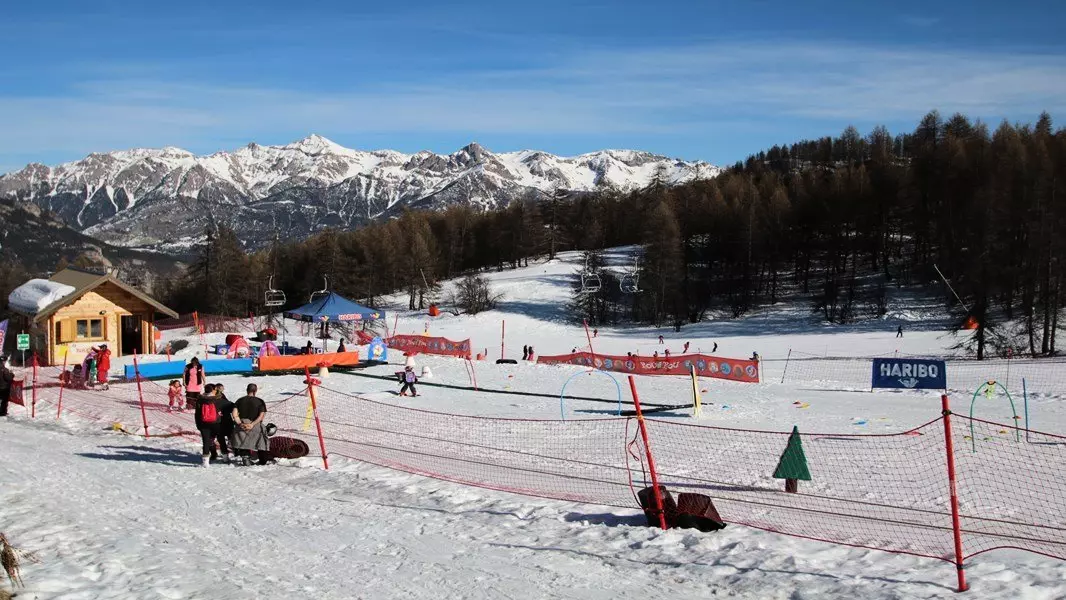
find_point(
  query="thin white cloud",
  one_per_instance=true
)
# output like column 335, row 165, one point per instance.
column 668, row 91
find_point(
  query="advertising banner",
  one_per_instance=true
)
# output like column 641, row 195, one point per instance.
column 909, row 373
column 734, row 369
column 429, row 345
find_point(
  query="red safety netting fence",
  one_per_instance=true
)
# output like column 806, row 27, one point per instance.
column 889, row 492
column 1019, row 375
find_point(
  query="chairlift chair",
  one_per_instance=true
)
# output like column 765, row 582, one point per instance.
column 630, row 282
column 322, row 293
column 590, row 280
column 273, row 297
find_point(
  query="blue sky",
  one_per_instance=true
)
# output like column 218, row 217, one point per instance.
column 693, row 79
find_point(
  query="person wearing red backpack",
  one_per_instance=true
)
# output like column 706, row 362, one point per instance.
column 209, row 422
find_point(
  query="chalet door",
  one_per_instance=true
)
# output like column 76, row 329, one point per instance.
column 130, row 333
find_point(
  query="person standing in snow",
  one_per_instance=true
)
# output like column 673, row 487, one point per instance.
column 194, row 382
column 174, row 396
column 899, row 331
column 6, row 379
column 530, row 357
column 225, row 421
column 685, row 350
column 103, row 363
column 661, row 339
column 248, row 414
column 715, row 348
column 341, row 347
column 666, row 353
column 409, row 381
column 208, row 422
column 525, row 352
column 595, row 332
column 90, row 360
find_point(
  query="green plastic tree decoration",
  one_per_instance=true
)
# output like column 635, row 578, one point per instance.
column 793, row 463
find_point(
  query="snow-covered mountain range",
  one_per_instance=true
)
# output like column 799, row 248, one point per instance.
column 165, row 198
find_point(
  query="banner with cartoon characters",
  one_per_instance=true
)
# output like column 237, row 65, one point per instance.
column 429, row 345
column 734, row 369
column 377, row 351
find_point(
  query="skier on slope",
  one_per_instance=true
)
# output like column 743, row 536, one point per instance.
column 409, row 381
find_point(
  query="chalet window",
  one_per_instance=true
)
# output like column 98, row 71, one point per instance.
column 90, row 329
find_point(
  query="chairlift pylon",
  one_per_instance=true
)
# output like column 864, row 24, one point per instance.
column 273, row 297
column 322, row 293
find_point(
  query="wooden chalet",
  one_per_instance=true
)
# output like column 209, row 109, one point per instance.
column 101, row 310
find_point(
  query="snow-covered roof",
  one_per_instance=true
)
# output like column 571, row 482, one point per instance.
column 37, row 294
column 39, row 298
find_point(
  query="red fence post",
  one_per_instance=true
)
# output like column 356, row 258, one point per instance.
column 314, row 411
column 33, row 407
column 955, row 526
column 586, row 322
column 62, row 384
column 473, row 374
column 647, row 451
column 140, row 394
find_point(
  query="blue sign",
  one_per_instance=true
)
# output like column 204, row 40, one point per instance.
column 378, row 351
column 909, row 373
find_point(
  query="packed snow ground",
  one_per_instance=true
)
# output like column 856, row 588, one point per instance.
column 116, row 516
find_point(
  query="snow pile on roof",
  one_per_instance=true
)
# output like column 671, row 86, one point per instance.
column 36, row 294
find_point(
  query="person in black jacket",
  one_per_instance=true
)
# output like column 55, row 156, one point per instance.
column 225, row 427
column 210, row 428
column 6, row 379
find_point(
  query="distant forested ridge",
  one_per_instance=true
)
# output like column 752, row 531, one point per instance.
column 837, row 221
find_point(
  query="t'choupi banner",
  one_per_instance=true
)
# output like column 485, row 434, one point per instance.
column 429, row 345
column 734, row 369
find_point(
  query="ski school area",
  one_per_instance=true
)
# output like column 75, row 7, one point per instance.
column 843, row 461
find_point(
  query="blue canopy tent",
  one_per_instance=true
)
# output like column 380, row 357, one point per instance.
column 333, row 308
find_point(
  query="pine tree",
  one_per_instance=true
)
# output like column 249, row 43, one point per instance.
column 792, row 466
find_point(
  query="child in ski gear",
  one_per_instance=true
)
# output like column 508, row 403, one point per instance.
column 103, row 363
column 530, row 356
column 92, row 371
column 248, row 414
column 409, row 381
column 174, row 396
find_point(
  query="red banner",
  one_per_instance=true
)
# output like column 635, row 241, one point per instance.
column 733, row 369
column 429, row 345
column 16, row 392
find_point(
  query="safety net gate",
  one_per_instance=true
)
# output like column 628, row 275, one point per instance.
column 888, row 492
